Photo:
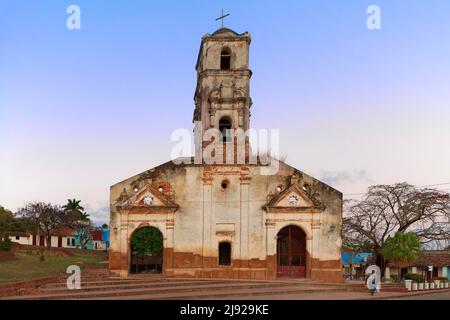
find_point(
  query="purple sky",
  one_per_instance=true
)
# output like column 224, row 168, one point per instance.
column 83, row 109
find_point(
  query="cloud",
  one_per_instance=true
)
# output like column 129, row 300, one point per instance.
column 344, row 176
column 99, row 215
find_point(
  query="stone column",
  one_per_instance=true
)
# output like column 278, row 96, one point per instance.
column 244, row 223
column 168, row 250
column 124, row 245
column 387, row 273
column 271, row 249
column 207, row 220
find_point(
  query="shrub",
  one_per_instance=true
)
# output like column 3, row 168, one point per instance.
column 394, row 277
column 415, row 277
column 5, row 244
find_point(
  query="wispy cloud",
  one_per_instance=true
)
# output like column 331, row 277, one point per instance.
column 98, row 215
column 344, row 176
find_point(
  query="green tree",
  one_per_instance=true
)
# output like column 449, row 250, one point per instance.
column 10, row 223
column 73, row 207
column 402, row 248
column 146, row 241
column 5, row 243
column 6, row 221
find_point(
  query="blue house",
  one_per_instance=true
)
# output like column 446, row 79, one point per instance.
column 354, row 264
column 105, row 237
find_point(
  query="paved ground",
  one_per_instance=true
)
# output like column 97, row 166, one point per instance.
column 431, row 296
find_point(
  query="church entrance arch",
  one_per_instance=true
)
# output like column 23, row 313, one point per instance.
column 291, row 252
column 146, row 247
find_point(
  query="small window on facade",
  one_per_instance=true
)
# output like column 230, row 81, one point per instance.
column 17, row 238
column 225, row 253
column 68, row 242
column 225, row 129
column 225, row 59
column 225, row 184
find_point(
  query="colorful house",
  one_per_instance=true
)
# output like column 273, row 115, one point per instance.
column 105, row 238
column 354, row 264
column 433, row 265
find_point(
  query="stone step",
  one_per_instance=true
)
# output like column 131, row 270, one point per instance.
column 120, row 286
column 175, row 291
column 94, row 282
column 222, row 294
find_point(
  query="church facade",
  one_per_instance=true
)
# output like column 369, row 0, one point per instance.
column 227, row 219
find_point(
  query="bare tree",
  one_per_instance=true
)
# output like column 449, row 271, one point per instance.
column 46, row 216
column 386, row 209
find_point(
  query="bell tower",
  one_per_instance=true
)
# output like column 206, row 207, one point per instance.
column 222, row 96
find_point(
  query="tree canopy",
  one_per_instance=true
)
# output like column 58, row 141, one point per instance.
column 387, row 209
column 73, row 207
column 402, row 248
column 147, row 240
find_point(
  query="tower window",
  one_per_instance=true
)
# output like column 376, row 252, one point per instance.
column 225, row 129
column 225, row 59
column 224, row 253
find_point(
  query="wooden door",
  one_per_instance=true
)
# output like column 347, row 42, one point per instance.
column 291, row 252
column 42, row 241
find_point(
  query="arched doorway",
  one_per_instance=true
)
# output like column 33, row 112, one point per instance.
column 291, row 252
column 146, row 247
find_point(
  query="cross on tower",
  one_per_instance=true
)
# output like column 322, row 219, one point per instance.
column 222, row 17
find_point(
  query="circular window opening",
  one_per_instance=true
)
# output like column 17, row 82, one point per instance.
column 225, row 184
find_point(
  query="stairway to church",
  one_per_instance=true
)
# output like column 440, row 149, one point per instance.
column 99, row 285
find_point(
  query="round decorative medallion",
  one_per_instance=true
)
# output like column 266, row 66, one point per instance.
column 148, row 200
column 293, row 200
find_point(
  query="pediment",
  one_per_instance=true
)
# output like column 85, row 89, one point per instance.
column 149, row 199
column 291, row 200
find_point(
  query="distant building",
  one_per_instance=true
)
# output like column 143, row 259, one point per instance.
column 95, row 242
column 105, row 238
column 61, row 238
column 354, row 264
column 23, row 238
column 431, row 264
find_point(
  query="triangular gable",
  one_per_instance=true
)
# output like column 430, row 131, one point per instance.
column 292, row 199
column 149, row 199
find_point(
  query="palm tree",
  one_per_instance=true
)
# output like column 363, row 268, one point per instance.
column 73, row 206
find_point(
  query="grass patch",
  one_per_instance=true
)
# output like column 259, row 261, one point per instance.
column 27, row 267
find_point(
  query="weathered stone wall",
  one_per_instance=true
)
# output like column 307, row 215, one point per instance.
column 208, row 214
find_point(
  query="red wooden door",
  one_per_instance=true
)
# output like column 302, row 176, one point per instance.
column 42, row 241
column 291, row 252
column 59, row 242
